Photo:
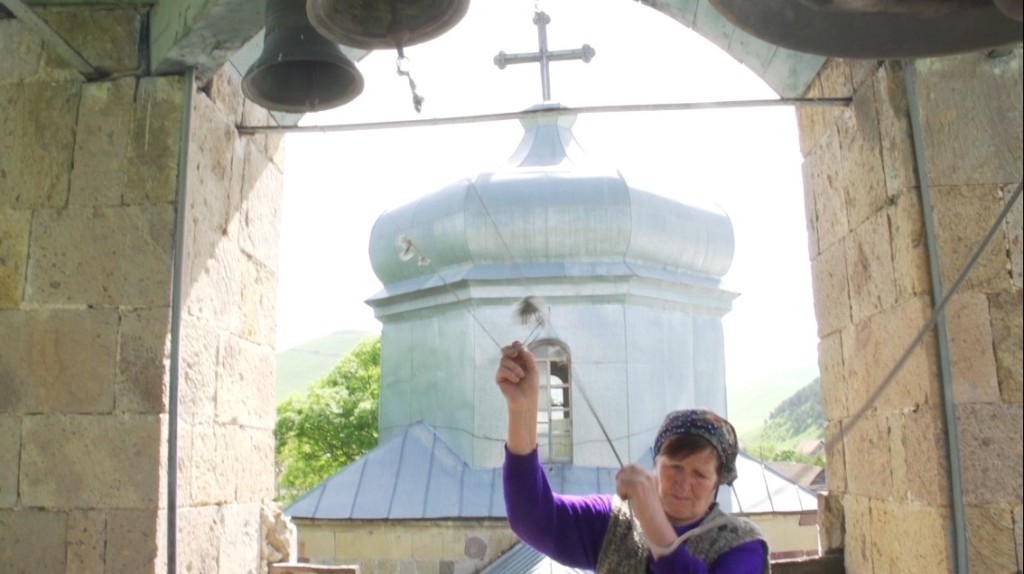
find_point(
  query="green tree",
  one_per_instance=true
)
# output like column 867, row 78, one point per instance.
column 332, row 425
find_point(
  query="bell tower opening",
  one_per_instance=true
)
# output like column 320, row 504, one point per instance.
column 554, row 419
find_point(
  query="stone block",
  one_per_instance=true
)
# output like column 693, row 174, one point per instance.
column 199, row 540
column 990, row 544
column 963, row 215
column 897, row 144
column 835, row 453
column 831, row 290
column 134, row 541
column 810, row 210
column 1014, row 228
column 142, row 364
column 107, row 38
column 909, row 249
column 972, row 361
column 101, row 256
column 215, row 164
column 1018, row 533
column 87, row 541
column 867, row 445
column 239, row 538
column 991, row 453
column 155, row 145
column 10, row 452
column 813, row 121
column 22, row 48
column 859, row 540
column 826, row 180
column 258, row 303
column 226, row 92
column 1006, row 310
column 101, row 143
column 833, row 376
column 253, row 449
column 38, row 123
column 260, row 217
column 971, row 129
column 91, row 461
column 33, row 541
column 863, row 173
column 212, row 468
column 831, row 522
column 836, row 78
column 427, row 545
column 863, row 71
column 246, row 387
column 871, row 275
column 874, row 349
column 200, row 357
column 58, row 361
column 891, row 522
column 213, row 288
column 15, row 226
column 919, row 457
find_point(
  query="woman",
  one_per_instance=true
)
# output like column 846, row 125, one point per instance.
column 671, row 523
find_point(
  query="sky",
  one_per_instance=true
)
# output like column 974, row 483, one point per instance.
column 746, row 161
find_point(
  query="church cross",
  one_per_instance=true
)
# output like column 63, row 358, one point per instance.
column 543, row 55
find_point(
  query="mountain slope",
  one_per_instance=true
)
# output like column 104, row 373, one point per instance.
column 300, row 366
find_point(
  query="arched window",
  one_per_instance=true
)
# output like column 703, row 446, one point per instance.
column 554, row 421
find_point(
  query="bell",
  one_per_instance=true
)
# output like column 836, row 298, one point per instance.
column 875, row 29
column 299, row 70
column 384, row 24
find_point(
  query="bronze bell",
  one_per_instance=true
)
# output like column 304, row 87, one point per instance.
column 876, row 29
column 299, row 70
column 384, row 24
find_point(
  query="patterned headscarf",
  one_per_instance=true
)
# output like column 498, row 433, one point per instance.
column 707, row 425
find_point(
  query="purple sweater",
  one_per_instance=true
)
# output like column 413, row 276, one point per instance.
column 571, row 529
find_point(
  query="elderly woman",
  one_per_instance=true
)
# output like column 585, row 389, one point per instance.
column 671, row 523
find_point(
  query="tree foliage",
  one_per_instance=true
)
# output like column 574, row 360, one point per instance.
column 332, row 425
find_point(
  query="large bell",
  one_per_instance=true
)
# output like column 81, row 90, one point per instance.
column 384, row 24
column 875, row 29
column 299, row 70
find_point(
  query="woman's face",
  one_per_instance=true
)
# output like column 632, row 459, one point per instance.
column 687, row 485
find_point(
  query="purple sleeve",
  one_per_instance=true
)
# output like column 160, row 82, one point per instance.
column 569, row 529
column 747, row 558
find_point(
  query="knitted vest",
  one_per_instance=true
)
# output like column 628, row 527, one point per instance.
column 624, row 550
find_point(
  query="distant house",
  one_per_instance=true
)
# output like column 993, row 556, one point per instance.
column 807, row 475
column 811, row 447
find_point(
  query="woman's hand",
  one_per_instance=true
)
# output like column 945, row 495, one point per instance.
column 639, row 486
column 519, row 381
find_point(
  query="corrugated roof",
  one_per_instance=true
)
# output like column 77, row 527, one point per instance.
column 416, row 475
column 523, row 559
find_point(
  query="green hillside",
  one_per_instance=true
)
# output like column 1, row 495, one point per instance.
column 300, row 366
column 750, row 407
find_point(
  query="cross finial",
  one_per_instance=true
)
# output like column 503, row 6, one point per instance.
column 543, row 55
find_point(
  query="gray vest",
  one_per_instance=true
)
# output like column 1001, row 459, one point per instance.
column 624, row 550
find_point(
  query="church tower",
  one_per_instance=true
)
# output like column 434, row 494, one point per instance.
column 629, row 284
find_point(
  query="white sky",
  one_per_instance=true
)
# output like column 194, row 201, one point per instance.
column 745, row 160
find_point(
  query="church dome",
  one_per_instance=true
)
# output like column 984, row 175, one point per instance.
column 551, row 211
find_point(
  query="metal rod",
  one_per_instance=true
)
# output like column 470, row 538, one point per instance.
column 945, row 368
column 502, row 116
column 41, row 27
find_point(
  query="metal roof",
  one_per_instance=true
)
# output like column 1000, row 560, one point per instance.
column 523, row 559
column 415, row 475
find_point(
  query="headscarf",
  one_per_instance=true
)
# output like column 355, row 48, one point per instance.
column 709, row 426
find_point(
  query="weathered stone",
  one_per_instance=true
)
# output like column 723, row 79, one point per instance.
column 871, row 275
column 831, row 522
column 1006, row 310
column 102, row 256
column 877, row 346
column 833, row 377
column 32, row 541
column 1014, row 228
column 1018, row 532
column 260, row 217
column 199, row 540
column 14, row 233
column 835, row 453
column 973, row 364
column 238, row 548
column 278, row 535
column 38, row 123
column 213, row 289
column 197, row 386
column 990, row 545
column 107, row 38
column 58, row 361
column 867, row 447
column 831, row 290
column 897, row 145
column 810, row 209
column 971, row 128
column 891, row 522
column 155, row 146
column 226, row 91
column 859, row 540
column 22, row 49
column 101, row 143
column 826, row 178
column 213, row 467
column 246, row 393
column 258, row 291
column 909, row 251
column 836, row 80
column 863, row 71
column 142, row 365
column 963, row 215
column 992, row 453
column 211, row 200
column 10, row 452
column 919, row 455
column 89, row 461
column 863, row 175
column 814, row 121
column 134, row 541
column 87, row 541
column 253, row 452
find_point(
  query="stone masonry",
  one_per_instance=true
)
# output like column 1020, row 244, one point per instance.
column 889, row 502
column 88, row 187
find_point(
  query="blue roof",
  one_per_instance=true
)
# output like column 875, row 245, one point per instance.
column 523, row 559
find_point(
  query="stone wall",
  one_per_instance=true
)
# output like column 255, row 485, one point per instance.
column 88, row 186
column 889, row 502
column 412, row 547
